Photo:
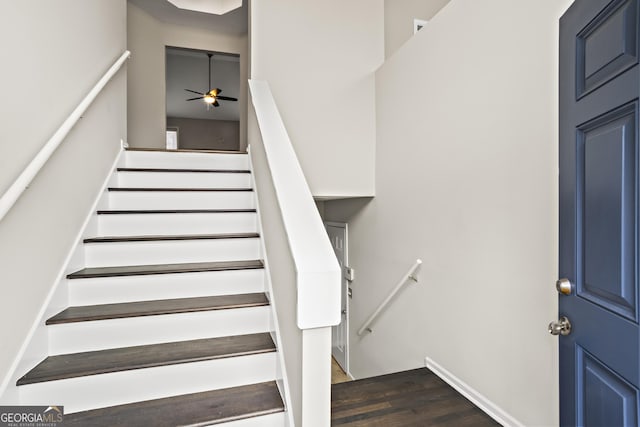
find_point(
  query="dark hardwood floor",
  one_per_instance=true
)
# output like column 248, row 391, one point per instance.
column 175, row 190
column 163, row 170
column 416, row 398
column 185, row 150
column 164, row 238
column 141, row 270
column 77, row 365
column 123, row 310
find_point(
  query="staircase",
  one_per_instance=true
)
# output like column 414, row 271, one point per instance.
column 168, row 323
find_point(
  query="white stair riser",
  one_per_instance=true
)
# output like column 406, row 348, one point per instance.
column 174, row 160
column 183, row 180
column 170, row 251
column 107, row 290
column 114, row 333
column 167, row 200
column 95, row 391
column 271, row 420
column 175, row 224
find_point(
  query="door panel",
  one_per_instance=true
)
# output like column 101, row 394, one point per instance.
column 606, row 162
column 607, row 45
column 599, row 371
column 340, row 333
column 604, row 389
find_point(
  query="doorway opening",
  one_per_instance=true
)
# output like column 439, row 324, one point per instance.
column 208, row 117
column 337, row 232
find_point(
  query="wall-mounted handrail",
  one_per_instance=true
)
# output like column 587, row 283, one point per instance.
column 410, row 275
column 21, row 183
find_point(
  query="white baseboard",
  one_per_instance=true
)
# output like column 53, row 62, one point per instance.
column 487, row 406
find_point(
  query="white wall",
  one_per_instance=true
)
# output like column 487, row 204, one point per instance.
column 319, row 58
column 54, row 52
column 147, row 38
column 146, row 105
column 466, row 180
column 398, row 20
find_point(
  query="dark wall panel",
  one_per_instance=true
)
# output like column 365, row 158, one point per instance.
column 206, row 134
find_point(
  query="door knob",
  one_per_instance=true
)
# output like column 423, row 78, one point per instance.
column 564, row 287
column 560, row 327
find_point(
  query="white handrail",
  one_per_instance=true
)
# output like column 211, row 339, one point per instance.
column 21, row 183
column 411, row 274
column 317, row 269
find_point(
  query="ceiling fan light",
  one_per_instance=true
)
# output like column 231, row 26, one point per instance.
column 209, row 99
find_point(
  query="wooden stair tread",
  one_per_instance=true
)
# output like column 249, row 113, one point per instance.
column 146, row 356
column 198, row 409
column 182, row 150
column 153, row 189
column 171, row 211
column 187, row 267
column 153, row 238
column 157, row 307
column 183, row 170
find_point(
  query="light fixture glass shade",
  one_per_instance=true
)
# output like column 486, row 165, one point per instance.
column 209, row 99
column 215, row 7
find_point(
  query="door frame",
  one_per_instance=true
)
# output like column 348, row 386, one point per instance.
column 344, row 287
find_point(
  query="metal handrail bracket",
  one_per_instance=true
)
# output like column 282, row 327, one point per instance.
column 412, row 275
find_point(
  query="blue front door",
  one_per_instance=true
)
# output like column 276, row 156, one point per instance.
column 599, row 88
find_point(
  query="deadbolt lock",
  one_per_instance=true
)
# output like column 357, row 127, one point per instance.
column 564, row 287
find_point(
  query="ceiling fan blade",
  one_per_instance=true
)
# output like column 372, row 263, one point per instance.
column 193, row 91
column 216, row 104
column 227, row 98
column 193, row 99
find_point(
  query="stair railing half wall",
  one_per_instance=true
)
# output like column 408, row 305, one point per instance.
column 304, row 272
column 412, row 274
column 21, row 183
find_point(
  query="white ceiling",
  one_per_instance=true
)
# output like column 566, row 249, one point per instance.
column 234, row 22
column 187, row 69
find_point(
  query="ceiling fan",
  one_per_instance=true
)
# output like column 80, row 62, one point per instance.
column 213, row 95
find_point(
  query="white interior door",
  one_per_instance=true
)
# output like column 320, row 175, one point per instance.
column 340, row 334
